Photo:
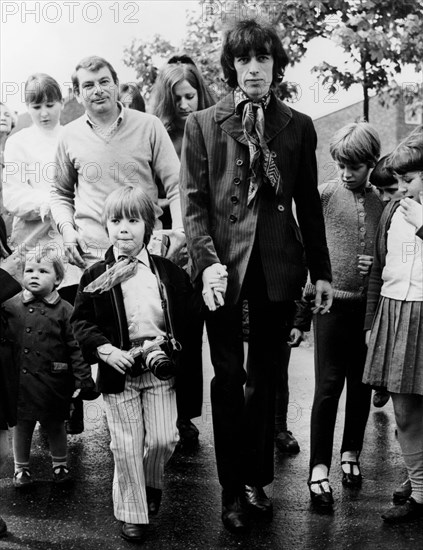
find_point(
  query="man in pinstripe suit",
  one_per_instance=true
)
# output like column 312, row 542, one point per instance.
column 243, row 162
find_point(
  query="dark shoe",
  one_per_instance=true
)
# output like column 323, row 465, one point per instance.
column 233, row 514
column 401, row 493
column 3, row 527
column 286, row 443
column 75, row 424
column 154, row 498
column 188, row 432
column 133, row 532
column 257, row 501
column 350, row 479
column 380, row 398
column 404, row 512
column 324, row 499
column 61, row 475
column 22, row 479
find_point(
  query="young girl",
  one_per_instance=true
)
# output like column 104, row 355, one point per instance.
column 50, row 362
column 120, row 305
column 29, row 170
column 395, row 316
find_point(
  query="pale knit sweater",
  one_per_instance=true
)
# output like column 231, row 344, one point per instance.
column 90, row 167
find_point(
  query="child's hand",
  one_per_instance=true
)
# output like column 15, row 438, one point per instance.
column 412, row 212
column 364, row 264
column 117, row 358
column 367, row 337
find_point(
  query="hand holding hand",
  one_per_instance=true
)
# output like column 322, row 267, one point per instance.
column 117, row 358
column 44, row 211
column 215, row 282
column 412, row 212
column 364, row 264
column 367, row 337
column 324, row 297
column 296, row 336
column 74, row 245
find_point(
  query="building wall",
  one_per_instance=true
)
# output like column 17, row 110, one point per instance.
column 389, row 121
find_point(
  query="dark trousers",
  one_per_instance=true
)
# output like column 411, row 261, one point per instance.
column 282, row 390
column 243, row 423
column 340, row 353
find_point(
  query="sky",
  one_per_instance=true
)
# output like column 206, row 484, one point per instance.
column 52, row 36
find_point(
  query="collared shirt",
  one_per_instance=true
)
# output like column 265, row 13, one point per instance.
column 51, row 298
column 403, row 272
column 107, row 133
column 141, row 298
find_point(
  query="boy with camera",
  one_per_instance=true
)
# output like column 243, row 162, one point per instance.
column 129, row 317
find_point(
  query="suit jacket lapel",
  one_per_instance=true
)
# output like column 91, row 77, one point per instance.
column 277, row 117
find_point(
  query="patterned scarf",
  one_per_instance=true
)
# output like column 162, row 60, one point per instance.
column 125, row 268
column 260, row 156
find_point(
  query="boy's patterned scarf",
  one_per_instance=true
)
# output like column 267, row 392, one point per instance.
column 260, row 155
column 121, row 271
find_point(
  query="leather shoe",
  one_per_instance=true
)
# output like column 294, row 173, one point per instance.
column 154, row 498
column 233, row 515
column 380, row 398
column 323, row 499
column 133, row 532
column 401, row 493
column 286, row 443
column 3, row 527
column 257, row 501
column 404, row 512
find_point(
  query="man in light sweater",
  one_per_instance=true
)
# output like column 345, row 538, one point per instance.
column 106, row 148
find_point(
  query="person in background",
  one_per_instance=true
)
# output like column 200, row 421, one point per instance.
column 50, row 363
column 7, row 123
column 352, row 209
column 10, row 284
column 178, row 91
column 394, row 318
column 243, row 161
column 130, row 96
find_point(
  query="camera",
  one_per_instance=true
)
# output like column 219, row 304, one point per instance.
column 153, row 356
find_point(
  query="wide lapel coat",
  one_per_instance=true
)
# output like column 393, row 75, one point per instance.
column 219, row 225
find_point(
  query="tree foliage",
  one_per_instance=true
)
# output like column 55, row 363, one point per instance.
column 378, row 37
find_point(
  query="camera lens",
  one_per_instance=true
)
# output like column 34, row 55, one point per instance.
column 161, row 366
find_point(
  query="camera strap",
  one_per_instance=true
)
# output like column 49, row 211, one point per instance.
column 170, row 334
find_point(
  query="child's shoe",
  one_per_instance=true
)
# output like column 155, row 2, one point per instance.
column 61, row 475
column 22, row 478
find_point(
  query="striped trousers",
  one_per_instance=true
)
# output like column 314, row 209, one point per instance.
column 142, row 424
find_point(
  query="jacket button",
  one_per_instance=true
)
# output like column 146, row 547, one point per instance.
column 37, row 353
column 239, row 162
column 234, row 199
column 237, row 181
column 232, row 218
column 28, row 329
column 24, row 371
column 42, row 312
column 273, row 154
column 40, row 332
column 26, row 350
column 31, row 309
column 281, row 207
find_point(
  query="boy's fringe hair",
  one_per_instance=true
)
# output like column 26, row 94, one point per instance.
column 408, row 155
column 130, row 202
column 48, row 253
column 356, row 143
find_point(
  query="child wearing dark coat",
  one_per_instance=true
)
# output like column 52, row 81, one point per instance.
column 49, row 360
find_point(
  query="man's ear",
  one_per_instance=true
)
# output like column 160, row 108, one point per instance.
column 77, row 95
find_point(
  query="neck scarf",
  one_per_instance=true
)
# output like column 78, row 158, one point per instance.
column 261, row 159
column 125, row 268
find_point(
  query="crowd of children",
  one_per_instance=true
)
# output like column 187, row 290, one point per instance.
column 131, row 309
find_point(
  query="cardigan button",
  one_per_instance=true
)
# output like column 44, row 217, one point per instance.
column 26, row 350
column 232, row 218
column 234, row 199
column 237, row 181
column 42, row 312
column 239, row 162
column 281, row 207
column 24, row 371
column 28, row 329
column 31, row 309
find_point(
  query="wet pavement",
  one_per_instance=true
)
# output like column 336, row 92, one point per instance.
column 80, row 517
